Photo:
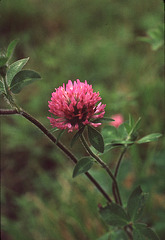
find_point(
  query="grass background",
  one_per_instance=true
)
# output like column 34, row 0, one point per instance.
column 96, row 41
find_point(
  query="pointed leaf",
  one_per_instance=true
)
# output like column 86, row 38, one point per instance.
column 104, row 119
column 96, row 139
column 22, row 79
column 136, row 126
column 149, row 138
column 114, row 215
column 3, row 60
column 76, row 136
column 122, row 132
column 11, row 48
column 131, row 121
column 14, row 68
column 54, row 130
column 136, row 203
column 59, row 135
column 83, row 165
column 141, row 231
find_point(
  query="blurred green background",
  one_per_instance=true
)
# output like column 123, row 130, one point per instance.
column 96, row 41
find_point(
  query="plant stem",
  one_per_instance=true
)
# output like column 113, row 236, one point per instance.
column 105, row 166
column 117, row 168
column 8, row 94
column 119, row 161
column 53, row 139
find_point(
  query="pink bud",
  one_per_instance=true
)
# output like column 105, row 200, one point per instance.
column 118, row 120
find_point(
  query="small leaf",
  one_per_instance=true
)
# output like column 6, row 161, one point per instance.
column 96, row 139
column 3, row 61
column 14, row 68
column 83, row 165
column 55, row 129
column 136, row 126
column 59, row 135
column 11, row 48
column 2, row 90
column 141, row 231
column 149, row 138
column 109, row 133
column 114, row 215
column 76, row 136
column 136, row 203
column 23, row 78
column 122, row 132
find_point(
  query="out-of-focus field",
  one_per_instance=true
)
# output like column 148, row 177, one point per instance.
column 95, row 41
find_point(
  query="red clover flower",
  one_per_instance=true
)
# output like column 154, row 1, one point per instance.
column 75, row 106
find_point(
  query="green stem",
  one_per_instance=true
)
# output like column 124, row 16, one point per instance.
column 119, row 161
column 8, row 95
column 117, row 169
column 105, row 166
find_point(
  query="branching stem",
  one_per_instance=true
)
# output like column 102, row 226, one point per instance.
column 105, row 166
column 53, row 139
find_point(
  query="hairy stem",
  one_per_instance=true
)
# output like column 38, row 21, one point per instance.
column 105, row 166
column 53, row 139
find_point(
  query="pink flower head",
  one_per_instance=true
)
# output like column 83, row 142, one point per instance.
column 118, row 120
column 75, row 106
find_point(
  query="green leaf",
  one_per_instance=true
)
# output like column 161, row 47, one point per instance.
column 2, row 90
column 122, row 132
column 137, row 235
column 149, row 138
column 3, row 61
column 76, row 136
column 104, row 119
column 136, row 203
column 131, row 121
column 96, row 139
column 55, row 129
column 155, row 37
column 119, row 234
column 109, row 134
column 141, row 231
column 11, row 48
column 136, row 126
column 22, row 79
column 59, row 135
column 114, row 215
column 14, row 68
column 83, row 165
